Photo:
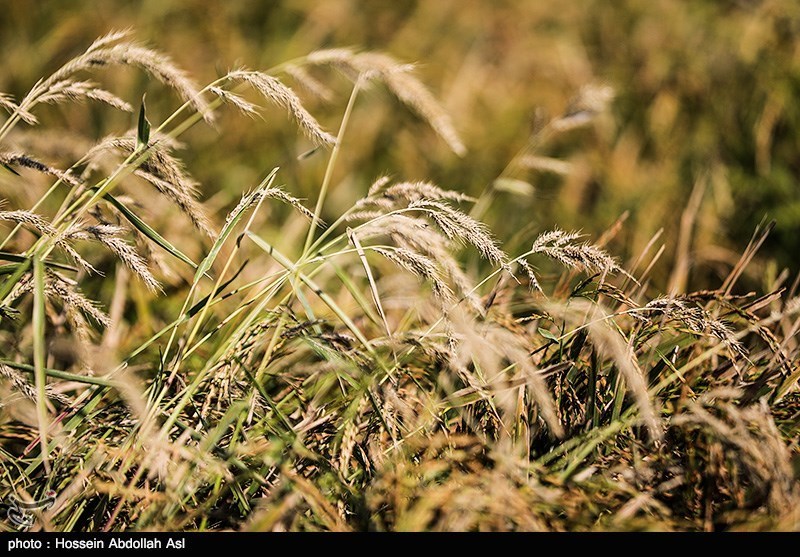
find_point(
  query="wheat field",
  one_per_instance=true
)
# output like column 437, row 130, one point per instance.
column 316, row 336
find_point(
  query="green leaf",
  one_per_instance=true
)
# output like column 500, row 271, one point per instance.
column 195, row 309
column 65, row 375
column 143, row 131
column 308, row 154
column 8, row 269
column 11, row 170
column 547, row 334
column 5, row 256
column 39, row 356
column 145, row 229
column 16, row 274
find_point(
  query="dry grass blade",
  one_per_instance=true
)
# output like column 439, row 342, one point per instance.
column 759, row 237
column 680, row 272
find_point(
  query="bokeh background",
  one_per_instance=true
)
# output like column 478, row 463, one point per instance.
column 706, row 101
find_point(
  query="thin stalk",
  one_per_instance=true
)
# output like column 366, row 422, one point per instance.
column 326, row 181
column 39, row 358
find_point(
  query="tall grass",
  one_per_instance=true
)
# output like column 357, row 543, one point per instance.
column 354, row 373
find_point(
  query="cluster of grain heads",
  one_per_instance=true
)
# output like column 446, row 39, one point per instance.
column 68, row 226
column 424, row 227
column 158, row 166
column 682, row 309
column 114, row 49
column 564, row 248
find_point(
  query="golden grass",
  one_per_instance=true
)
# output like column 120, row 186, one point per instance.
column 392, row 367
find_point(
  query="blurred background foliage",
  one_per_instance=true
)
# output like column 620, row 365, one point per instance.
column 704, row 103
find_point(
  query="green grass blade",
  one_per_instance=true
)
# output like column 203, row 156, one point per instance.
column 39, row 356
column 370, row 279
column 148, row 231
column 5, row 256
column 143, row 129
column 11, row 281
column 58, row 374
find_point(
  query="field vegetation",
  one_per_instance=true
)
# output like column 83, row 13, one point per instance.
column 407, row 266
